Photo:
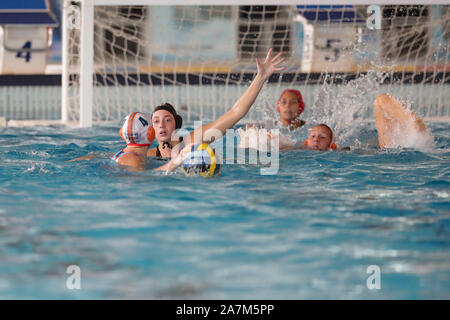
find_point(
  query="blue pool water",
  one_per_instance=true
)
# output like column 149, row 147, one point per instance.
column 310, row 231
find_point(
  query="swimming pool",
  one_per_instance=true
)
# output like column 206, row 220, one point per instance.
column 310, row 231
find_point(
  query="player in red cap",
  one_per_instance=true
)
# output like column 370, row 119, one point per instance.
column 290, row 105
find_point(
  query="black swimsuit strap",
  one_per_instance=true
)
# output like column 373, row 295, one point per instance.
column 158, row 153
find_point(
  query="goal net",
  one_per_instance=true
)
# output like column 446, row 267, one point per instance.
column 201, row 58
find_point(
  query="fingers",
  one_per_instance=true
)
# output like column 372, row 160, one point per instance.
column 279, row 68
column 278, row 62
column 274, row 65
column 275, row 61
column 269, row 54
column 276, row 57
column 270, row 64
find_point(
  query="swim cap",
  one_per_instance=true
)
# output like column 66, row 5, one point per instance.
column 201, row 159
column 301, row 104
column 137, row 131
column 168, row 107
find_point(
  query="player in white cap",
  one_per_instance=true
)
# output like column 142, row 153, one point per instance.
column 138, row 133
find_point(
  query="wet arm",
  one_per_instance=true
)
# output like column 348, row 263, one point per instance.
column 242, row 105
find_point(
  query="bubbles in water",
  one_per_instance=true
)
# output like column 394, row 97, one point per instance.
column 36, row 168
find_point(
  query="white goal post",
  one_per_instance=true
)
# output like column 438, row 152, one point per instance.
column 81, row 81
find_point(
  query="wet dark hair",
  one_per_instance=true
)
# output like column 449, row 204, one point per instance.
column 169, row 108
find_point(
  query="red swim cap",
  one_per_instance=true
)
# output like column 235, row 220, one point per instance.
column 301, row 104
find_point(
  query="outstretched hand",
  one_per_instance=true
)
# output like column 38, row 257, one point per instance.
column 270, row 65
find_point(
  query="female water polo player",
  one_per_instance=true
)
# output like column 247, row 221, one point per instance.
column 290, row 105
column 165, row 119
column 320, row 138
column 396, row 127
column 138, row 133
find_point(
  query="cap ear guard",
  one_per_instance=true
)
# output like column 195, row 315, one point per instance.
column 137, row 130
column 333, row 145
column 121, row 135
column 150, row 134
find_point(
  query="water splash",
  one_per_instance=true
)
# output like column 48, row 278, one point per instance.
column 346, row 107
column 407, row 134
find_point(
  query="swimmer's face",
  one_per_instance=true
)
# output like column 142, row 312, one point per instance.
column 289, row 106
column 164, row 125
column 319, row 138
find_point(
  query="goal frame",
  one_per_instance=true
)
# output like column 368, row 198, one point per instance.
column 87, row 38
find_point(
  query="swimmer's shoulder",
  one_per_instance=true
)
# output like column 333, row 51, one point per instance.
column 132, row 160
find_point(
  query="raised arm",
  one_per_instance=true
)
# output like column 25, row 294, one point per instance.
column 242, row 105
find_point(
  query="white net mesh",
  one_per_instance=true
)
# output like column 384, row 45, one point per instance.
column 201, row 58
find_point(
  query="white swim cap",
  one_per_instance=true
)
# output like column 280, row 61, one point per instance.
column 137, row 130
